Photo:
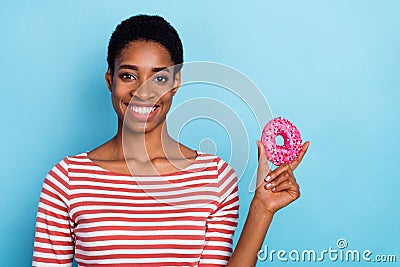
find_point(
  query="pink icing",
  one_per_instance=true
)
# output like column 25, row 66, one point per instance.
column 291, row 147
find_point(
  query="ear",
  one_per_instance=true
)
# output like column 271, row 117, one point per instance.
column 109, row 78
column 177, row 82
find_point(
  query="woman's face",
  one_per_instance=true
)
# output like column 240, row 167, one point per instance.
column 143, row 85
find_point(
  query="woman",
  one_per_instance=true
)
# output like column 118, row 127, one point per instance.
column 142, row 198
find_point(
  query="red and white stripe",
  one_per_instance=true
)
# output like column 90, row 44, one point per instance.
column 104, row 218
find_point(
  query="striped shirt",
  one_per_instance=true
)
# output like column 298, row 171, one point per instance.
column 104, row 218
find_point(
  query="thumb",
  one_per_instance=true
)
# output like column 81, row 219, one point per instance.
column 258, row 149
column 263, row 168
column 262, row 157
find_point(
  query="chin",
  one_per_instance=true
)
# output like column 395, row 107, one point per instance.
column 134, row 127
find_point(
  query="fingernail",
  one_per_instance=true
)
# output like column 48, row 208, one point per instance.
column 267, row 178
column 269, row 185
column 273, row 189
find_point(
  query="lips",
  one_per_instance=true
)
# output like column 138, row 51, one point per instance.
column 141, row 111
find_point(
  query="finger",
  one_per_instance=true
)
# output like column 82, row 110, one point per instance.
column 261, row 151
column 297, row 161
column 287, row 185
column 263, row 167
column 303, row 151
column 283, row 177
column 278, row 171
column 262, row 157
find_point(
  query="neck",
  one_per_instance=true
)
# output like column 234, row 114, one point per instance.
column 142, row 146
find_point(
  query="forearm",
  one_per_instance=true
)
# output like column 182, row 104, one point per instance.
column 252, row 237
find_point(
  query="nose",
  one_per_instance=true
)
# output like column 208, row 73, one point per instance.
column 143, row 92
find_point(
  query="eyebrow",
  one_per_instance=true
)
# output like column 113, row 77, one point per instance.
column 134, row 67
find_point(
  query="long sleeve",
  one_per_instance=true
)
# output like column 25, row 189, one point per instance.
column 222, row 223
column 54, row 243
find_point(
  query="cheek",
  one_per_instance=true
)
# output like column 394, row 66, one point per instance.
column 116, row 99
column 115, row 96
column 167, row 99
column 119, row 91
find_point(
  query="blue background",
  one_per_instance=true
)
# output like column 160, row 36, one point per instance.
column 332, row 67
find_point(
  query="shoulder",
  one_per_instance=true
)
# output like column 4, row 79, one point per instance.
column 222, row 165
column 58, row 176
column 225, row 171
column 63, row 165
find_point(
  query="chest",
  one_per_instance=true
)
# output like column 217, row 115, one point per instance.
column 122, row 212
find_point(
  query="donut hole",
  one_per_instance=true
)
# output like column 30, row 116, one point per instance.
column 279, row 140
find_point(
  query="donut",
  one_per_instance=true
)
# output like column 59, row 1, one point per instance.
column 292, row 143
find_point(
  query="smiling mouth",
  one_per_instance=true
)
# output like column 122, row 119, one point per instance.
column 142, row 110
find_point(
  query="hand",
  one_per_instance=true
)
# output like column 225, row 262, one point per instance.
column 281, row 187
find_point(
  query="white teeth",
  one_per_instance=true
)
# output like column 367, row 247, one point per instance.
column 142, row 110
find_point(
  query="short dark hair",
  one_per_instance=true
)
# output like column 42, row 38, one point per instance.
column 145, row 28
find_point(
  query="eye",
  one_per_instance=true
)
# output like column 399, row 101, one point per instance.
column 161, row 79
column 127, row 76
